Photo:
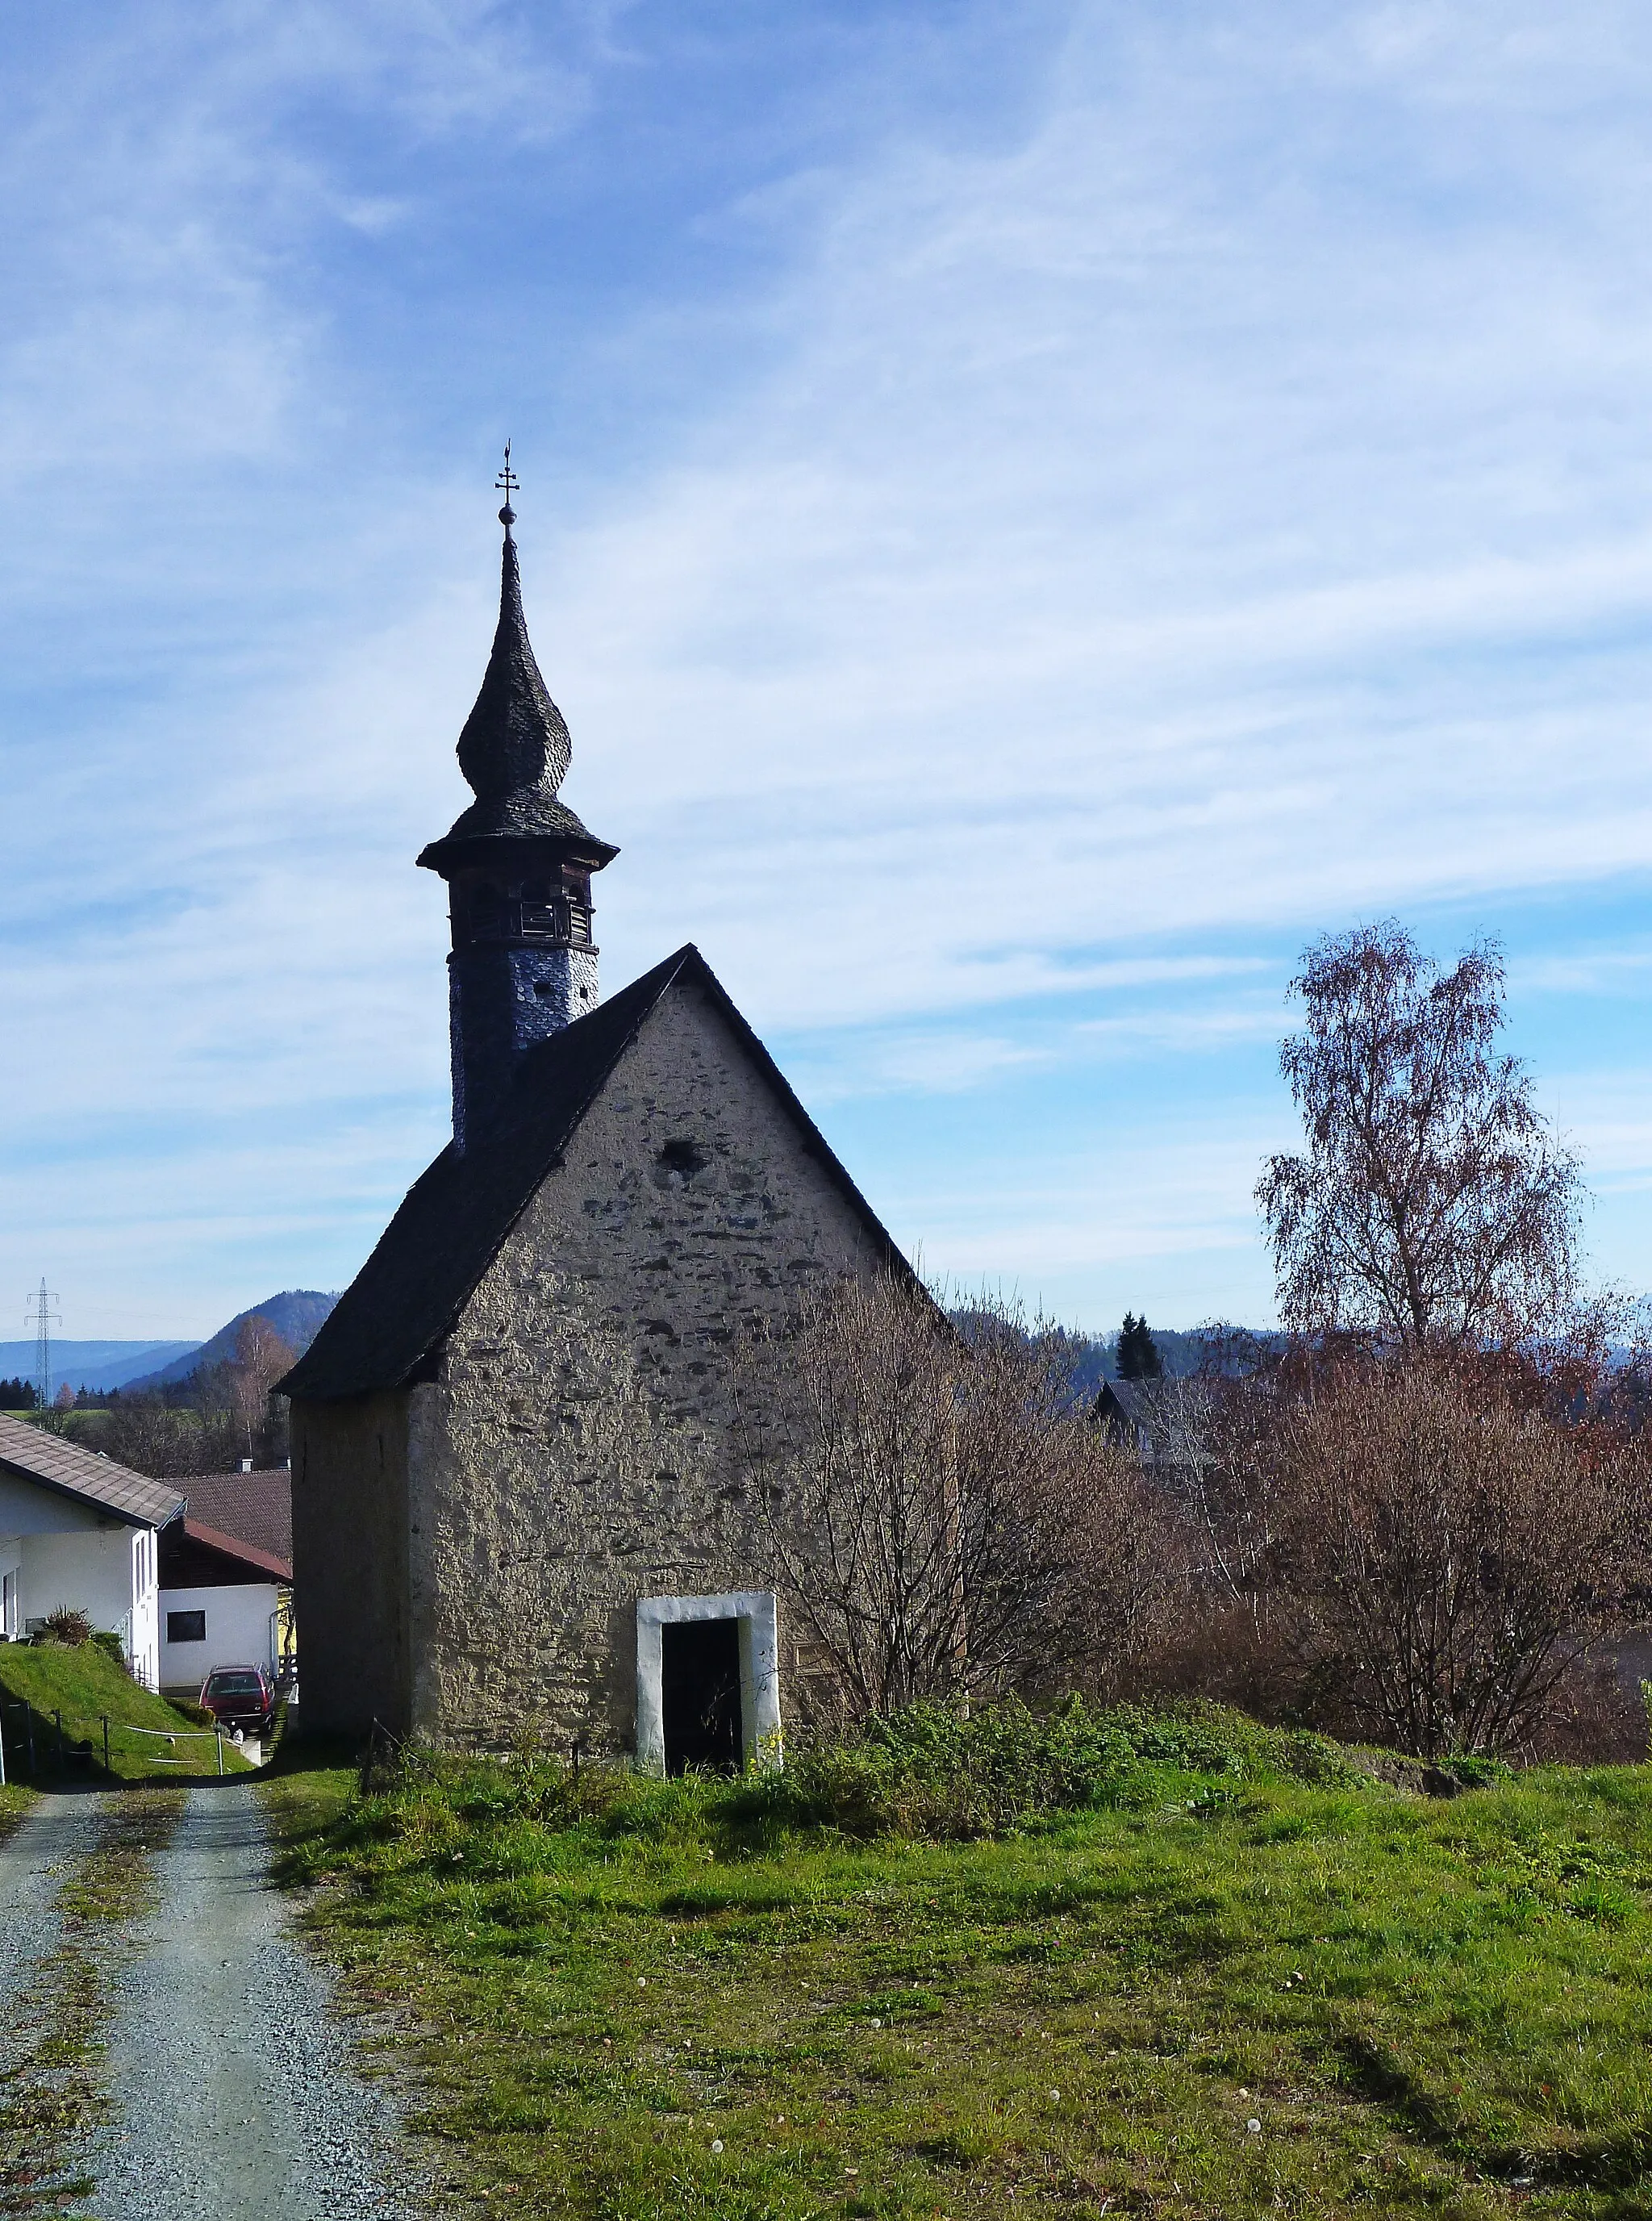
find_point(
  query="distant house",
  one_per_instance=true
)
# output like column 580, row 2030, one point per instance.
column 226, row 1579
column 1125, row 1411
column 78, row 1532
column 1161, row 1423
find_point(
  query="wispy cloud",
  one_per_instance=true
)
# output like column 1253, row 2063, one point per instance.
column 1033, row 511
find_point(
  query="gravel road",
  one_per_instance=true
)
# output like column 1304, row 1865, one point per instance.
column 235, row 2093
column 35, row 1863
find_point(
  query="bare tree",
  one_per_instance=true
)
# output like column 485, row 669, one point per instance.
column 1447, row 1555
column 261, row 1359
column 945, row 1520
column 1432, row 1201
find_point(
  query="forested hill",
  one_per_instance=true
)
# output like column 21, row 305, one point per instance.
column 1095, row 1357
column 296, row 1315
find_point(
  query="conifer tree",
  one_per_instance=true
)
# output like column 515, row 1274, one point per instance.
column 1138, row 1354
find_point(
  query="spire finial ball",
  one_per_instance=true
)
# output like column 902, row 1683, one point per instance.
column 507, row 483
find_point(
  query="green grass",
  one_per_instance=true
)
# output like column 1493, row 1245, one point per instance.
column 86, row 1684
column 1428, row 2007
column 14, row 1801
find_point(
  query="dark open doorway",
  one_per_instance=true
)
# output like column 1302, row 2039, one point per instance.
column 700, row 1677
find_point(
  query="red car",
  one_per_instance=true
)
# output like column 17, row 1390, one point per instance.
column 240, row 1696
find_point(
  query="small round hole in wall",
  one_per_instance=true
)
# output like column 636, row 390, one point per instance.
column 681, row 1159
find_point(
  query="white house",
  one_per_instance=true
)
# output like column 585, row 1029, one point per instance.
column 80, row 1532
column 221, row 1603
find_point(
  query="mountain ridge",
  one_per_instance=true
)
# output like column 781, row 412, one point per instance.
column 296, row 1314
column 95, row 1365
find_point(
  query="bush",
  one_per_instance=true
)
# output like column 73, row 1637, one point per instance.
column 944, row 1521
column 930, row 1772
column 1450, row 1556
column 106, row 1639
column 68, row 1627
column 933, row 1772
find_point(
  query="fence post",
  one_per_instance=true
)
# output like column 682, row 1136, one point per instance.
column 366, row 1762
column 108, row 1768
column 221, row 1750
column 2, row 1743
column 28, row 1716
column 57, row 1722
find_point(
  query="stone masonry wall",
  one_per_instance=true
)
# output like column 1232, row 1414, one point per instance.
column 570, row 1456
column 350, row 1561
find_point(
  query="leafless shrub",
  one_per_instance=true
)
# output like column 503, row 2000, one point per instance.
column 1446, row 1555
column 1427, row 1545
column 943, row 1517
column 1592, row 1719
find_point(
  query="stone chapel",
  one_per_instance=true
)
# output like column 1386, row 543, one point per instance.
column 514, row 1509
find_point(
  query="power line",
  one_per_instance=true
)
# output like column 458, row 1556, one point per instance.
column 39, row 1314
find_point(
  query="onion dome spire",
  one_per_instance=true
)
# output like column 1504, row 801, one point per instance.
column 518, row 864
column 515, row 749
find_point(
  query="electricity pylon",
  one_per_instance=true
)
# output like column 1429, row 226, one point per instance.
column 38, row 1312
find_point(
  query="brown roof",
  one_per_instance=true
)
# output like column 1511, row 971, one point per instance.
column 251, row 1508
column 67, row 1470
column 230, row 1545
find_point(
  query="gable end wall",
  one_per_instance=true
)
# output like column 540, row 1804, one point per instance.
column 572, row 1457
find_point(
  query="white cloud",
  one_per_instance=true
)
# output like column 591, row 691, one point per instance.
column 1208, row 508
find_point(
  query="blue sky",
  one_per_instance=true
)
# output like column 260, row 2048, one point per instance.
column 1032, row 512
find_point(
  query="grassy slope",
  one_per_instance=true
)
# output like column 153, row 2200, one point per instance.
column 85, row 1684
column 1440, row 2007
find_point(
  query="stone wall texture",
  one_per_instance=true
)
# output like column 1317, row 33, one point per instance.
column 570, row 1455
column 501, row 999
column 350, row 1561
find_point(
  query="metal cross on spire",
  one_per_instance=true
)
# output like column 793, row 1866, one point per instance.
column 507, row 483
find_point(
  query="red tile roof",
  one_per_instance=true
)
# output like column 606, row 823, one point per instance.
column 254, row 1508
column 279, row 1569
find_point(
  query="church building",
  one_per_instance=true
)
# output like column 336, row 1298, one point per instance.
column 515, row 1508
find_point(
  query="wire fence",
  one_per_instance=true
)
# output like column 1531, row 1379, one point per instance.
column 42, row 1745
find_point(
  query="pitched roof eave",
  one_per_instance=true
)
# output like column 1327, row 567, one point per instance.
column 83, row 1477
column 229, row 1546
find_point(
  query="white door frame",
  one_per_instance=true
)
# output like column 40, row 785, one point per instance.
column 756, row 1614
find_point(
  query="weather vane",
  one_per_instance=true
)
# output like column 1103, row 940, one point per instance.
column 507, row 483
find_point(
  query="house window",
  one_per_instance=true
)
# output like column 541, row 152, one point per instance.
column 187, row 1627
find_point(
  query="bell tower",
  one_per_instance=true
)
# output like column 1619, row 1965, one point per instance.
column 518, row 864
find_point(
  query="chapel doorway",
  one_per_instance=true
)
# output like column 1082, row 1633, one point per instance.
column 700, row 1693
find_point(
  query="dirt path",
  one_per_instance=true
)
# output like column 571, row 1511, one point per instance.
column 236, row 2095
column 35, row 1861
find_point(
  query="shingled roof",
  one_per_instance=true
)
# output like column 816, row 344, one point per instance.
column 254, row 1508
column 457, row 1217
column 29, row 1453
column 515, row 749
